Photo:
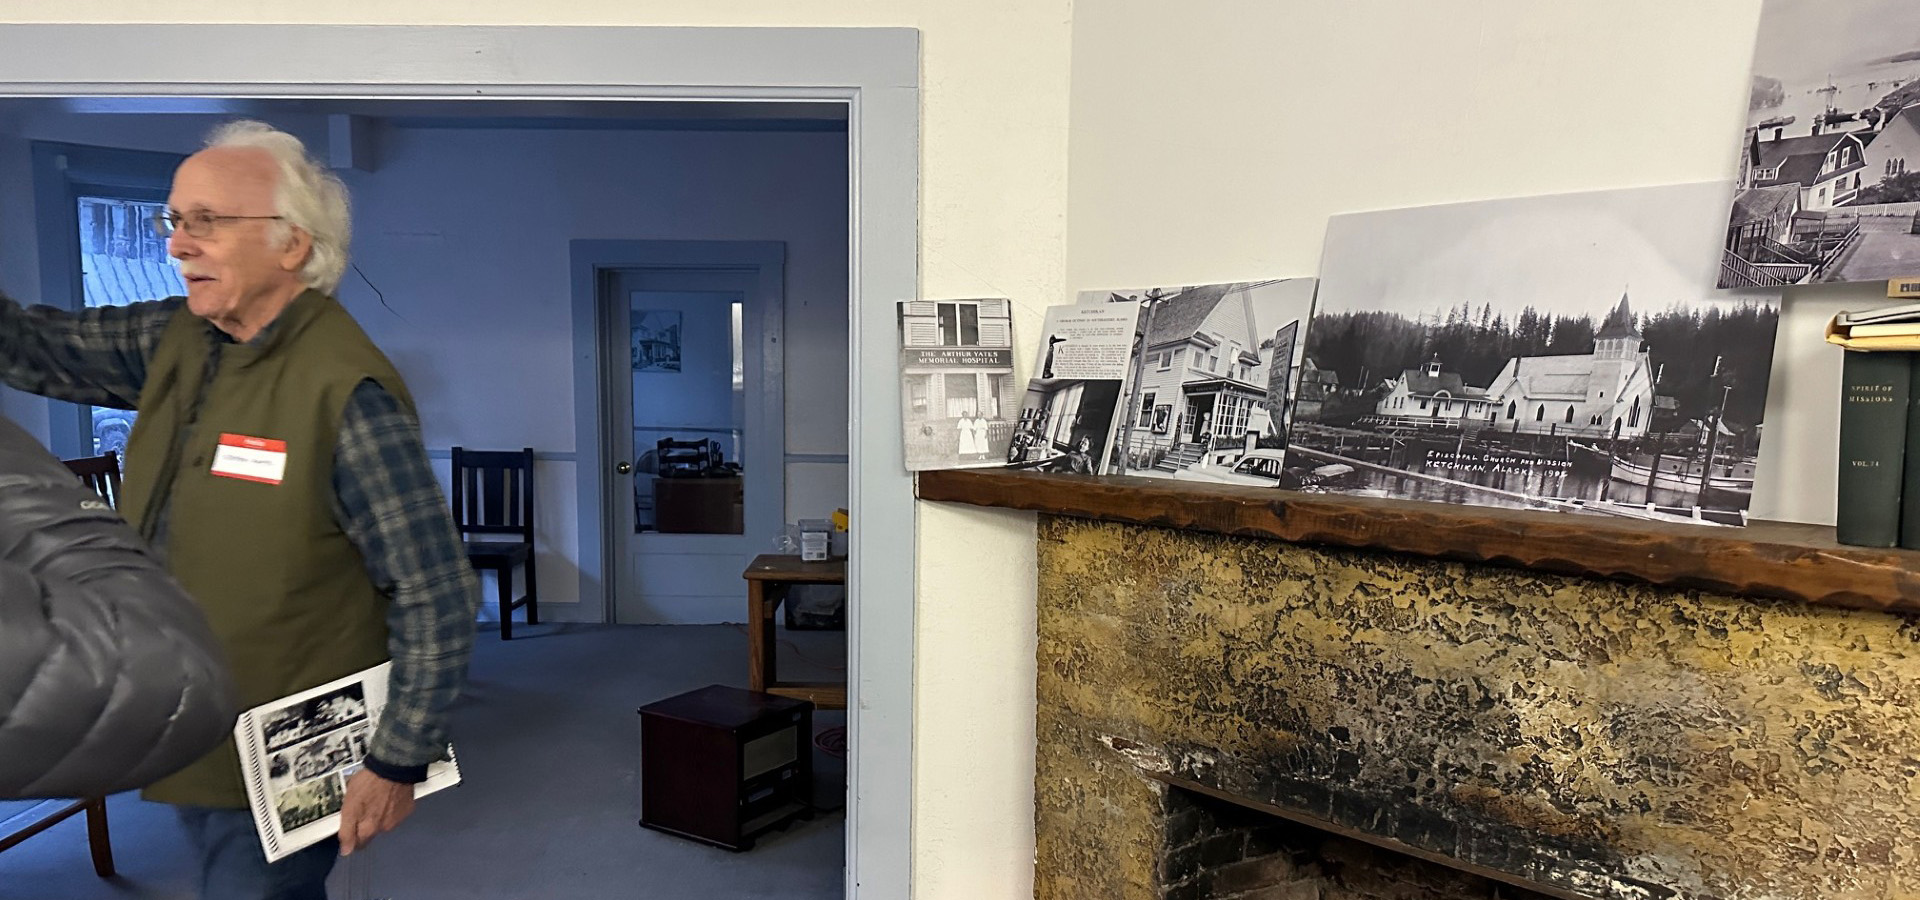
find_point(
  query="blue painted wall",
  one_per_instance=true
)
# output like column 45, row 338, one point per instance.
column 465, row 233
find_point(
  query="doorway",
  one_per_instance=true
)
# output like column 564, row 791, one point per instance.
column 1199, row 419
column 874, row 72
column 691, row 418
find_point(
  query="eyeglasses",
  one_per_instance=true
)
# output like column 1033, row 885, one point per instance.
column 199, row 224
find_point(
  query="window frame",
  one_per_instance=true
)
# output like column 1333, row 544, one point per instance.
column 62, row 174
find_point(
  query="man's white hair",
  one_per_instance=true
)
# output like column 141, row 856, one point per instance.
column 308, row 196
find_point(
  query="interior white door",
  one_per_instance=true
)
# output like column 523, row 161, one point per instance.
column 698, row 472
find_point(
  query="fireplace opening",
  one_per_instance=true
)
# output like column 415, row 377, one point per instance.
column 1219, row 850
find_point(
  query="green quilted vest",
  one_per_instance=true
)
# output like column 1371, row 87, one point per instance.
column 287, row 593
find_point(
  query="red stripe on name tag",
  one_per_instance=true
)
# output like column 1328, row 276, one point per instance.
column 253, row 443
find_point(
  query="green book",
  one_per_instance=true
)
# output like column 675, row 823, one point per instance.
column 1910, row 482
column 1874, row 391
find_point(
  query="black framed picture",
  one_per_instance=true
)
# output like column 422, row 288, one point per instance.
column 656, row 340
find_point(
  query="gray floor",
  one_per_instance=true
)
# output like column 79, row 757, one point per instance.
column 548, row 739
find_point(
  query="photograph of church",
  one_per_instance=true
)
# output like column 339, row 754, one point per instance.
column 1607, row 393
column 1542, row 353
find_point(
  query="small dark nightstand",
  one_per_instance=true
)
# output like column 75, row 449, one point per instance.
column 721, row 765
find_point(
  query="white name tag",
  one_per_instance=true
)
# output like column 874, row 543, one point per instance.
column 250, row 458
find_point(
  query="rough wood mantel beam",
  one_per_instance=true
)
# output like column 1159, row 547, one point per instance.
column 1777, row 560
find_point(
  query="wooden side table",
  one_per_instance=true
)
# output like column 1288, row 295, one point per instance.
column 768, row 578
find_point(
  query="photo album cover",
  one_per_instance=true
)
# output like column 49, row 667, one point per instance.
column 297, row 752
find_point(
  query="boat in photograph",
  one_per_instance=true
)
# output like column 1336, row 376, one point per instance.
column 1680, row 474
column 1677, row 472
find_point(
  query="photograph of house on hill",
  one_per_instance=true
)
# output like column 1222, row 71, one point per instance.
column 1564, row 353
column 1829, row 183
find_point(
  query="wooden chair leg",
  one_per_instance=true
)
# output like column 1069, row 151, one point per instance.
column 504, row 576
column 533, row 593
column 98, row 841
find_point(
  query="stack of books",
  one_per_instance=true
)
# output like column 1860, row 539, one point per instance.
column 1879, row 488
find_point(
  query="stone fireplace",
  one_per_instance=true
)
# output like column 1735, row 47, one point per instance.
column 1221, row 850
column 1233, row 717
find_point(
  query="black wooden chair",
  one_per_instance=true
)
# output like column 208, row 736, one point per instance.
column 493, row 495
column 46, row 814
column 102, row 473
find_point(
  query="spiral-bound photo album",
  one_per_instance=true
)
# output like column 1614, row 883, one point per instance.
column 297, row 752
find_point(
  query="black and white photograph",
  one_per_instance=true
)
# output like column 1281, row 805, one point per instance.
column 656, row 340
column 308, row 801
column 299, row 778
column 1067, row 417
column 1564, row 353
column 1212, row 379
column 956, row 382
column 318, row 756
column 1829, row 183
column 299, row 721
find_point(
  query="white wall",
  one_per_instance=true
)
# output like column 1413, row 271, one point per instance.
column 699, row 391
column 1222, row 160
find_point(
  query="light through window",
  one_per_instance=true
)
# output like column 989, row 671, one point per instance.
column 122, row 261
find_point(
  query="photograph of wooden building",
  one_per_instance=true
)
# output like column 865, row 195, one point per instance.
column 1201, row 392
column 956, row 382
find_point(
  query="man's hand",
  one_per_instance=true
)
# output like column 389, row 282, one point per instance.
column 373, row 806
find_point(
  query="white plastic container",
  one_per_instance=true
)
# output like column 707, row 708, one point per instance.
column 816, row 541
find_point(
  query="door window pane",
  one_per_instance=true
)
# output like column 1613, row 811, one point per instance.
column 688, row 413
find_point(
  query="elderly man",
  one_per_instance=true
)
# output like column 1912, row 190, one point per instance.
column 277, row 466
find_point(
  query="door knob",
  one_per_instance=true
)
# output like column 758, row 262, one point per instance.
column 623, row 468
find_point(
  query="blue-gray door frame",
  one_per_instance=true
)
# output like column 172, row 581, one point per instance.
column 874, row 71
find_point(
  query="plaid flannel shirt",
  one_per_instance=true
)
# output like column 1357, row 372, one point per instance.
column 386, row 499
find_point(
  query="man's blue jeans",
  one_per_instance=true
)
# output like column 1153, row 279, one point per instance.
column 233, row 867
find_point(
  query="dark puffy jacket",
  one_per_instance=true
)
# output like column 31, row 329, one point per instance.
column 109, row 676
